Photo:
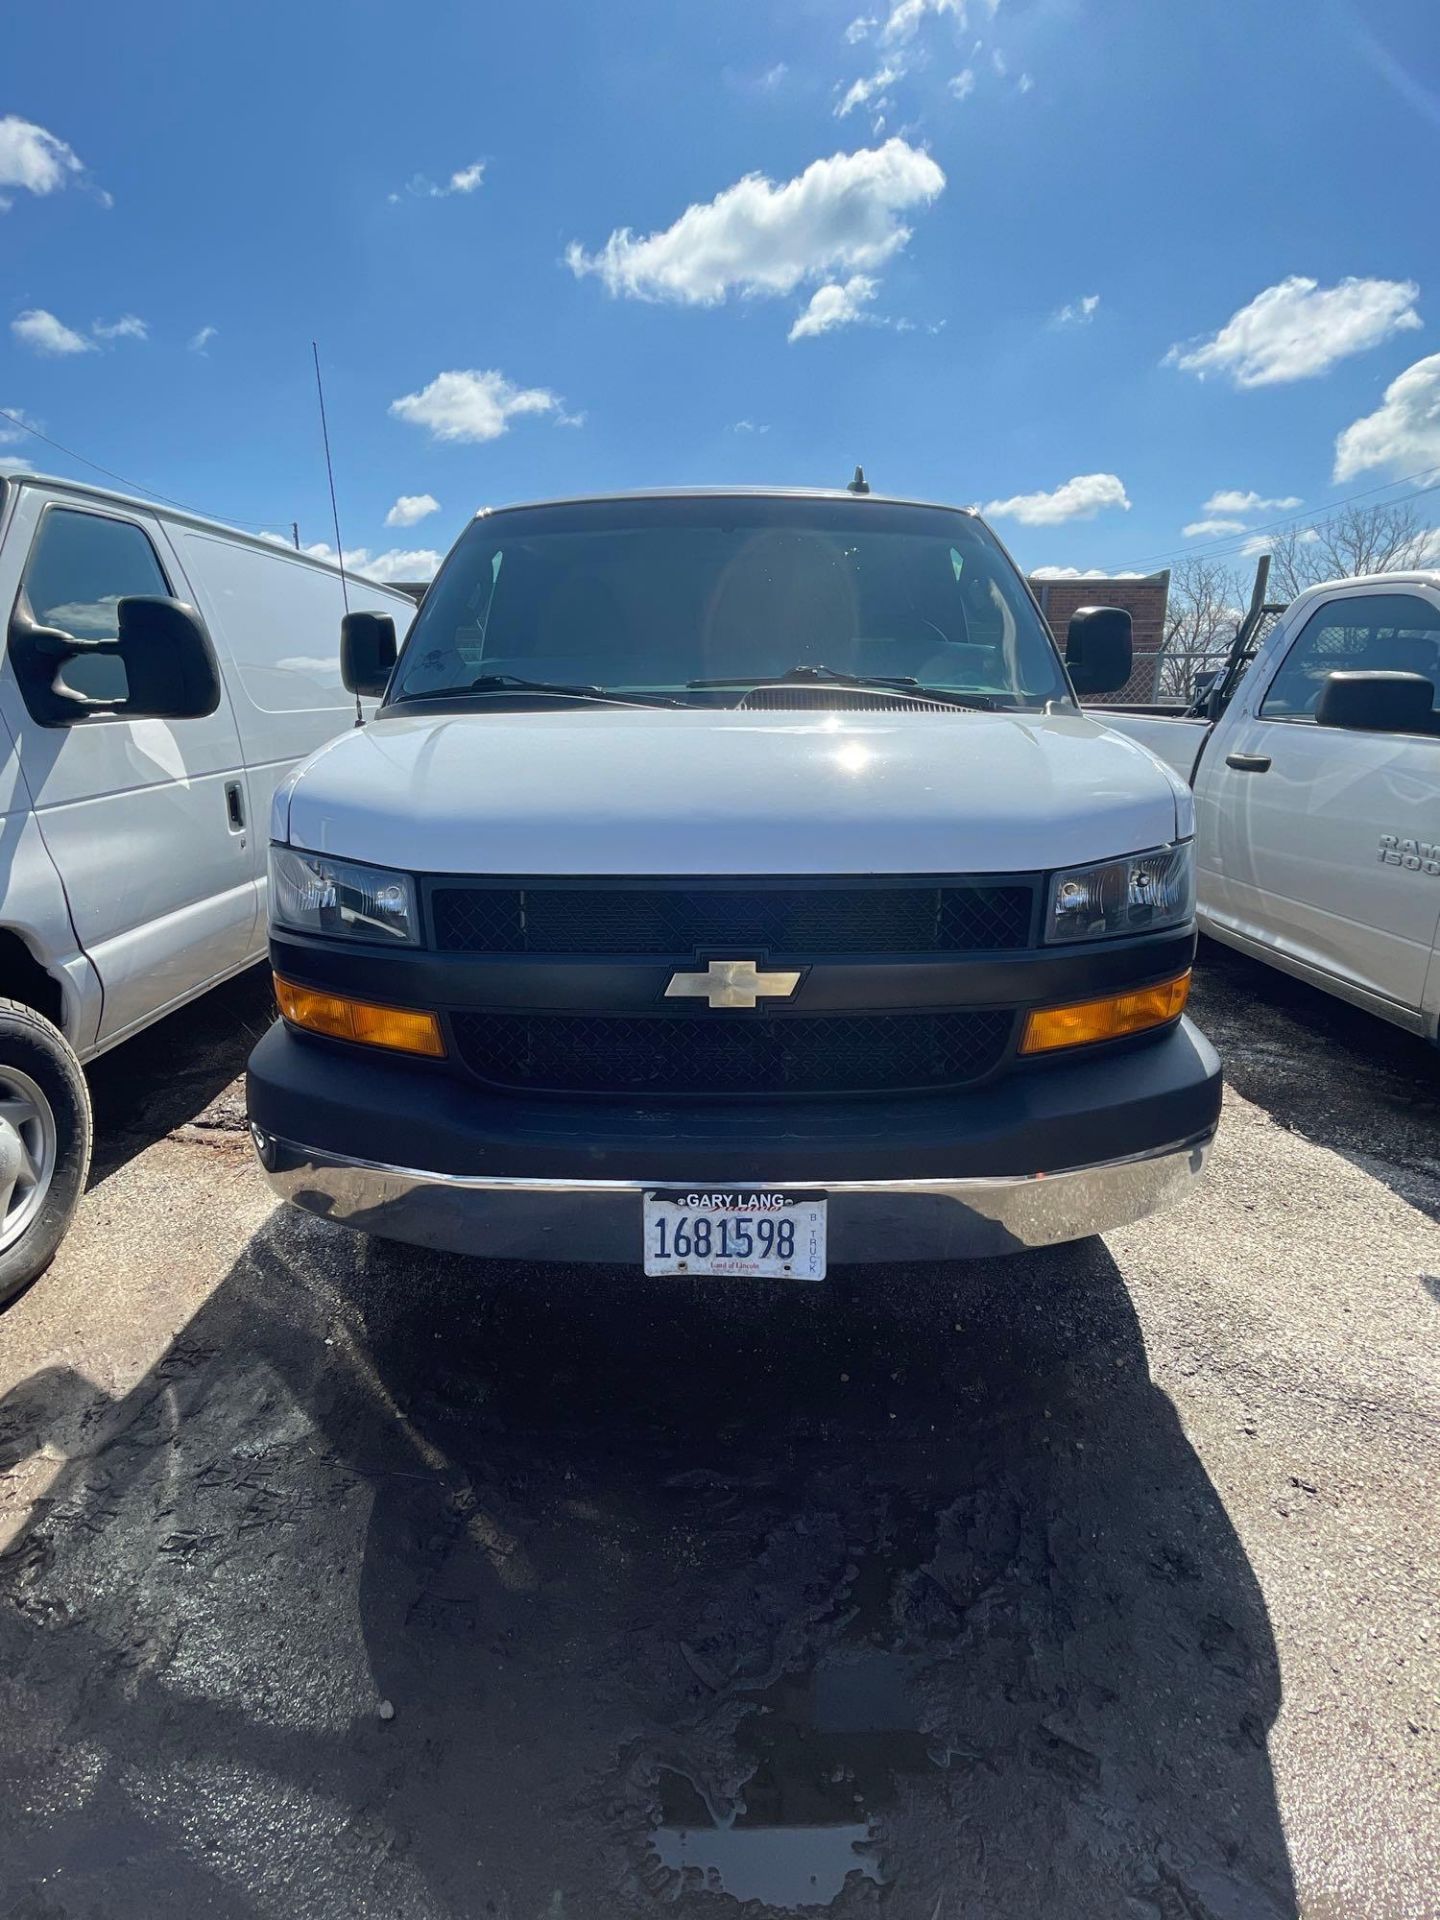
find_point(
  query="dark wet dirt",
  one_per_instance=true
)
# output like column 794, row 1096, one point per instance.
column 908, row 1603
column 408, row 1586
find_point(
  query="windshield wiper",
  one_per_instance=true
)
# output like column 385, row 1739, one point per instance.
column 806, row 674
column 513, row 683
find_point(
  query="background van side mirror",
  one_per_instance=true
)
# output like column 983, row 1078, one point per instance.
column 1098, row 649
column 367, row 651
column 1378, row 703
column 170, row 672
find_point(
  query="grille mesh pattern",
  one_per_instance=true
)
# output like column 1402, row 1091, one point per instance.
column 678, row 921
column 726, row 1053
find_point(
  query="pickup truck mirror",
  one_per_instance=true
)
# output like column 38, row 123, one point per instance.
column 169, row 670
column 1378, row 703
column 367, row 651
column 1098, row 649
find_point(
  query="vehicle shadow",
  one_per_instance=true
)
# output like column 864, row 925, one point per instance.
column 176, row 1073
column 413, row 1585
column 1325, row 1069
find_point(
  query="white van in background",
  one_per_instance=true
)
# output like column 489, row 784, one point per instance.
column 161, row 676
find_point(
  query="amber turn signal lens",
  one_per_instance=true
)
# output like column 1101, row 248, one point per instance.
column 1109, row 1019
column 402, row 1029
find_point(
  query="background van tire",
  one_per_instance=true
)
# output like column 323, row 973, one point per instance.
column 45, row 1136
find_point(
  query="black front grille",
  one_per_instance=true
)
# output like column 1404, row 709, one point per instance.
column 732, row 1053
column 909, row 917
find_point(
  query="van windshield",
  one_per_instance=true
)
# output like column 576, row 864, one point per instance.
column 661, row 596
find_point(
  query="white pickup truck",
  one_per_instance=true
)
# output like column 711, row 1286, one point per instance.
column 729, row 883
column 1317, row 795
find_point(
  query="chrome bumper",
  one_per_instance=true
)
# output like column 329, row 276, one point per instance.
column 599, row 1220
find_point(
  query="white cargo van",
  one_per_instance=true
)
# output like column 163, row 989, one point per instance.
column 729, row 883
column 1317, row 788
column 161, row 675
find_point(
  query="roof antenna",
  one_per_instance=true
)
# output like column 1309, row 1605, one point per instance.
column 334, row 510
column 859, row 484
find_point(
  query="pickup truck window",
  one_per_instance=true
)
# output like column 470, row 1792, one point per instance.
column 655, row 595
column 1369, row 633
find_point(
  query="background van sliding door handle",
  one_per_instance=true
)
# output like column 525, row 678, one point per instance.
column 1248, row 762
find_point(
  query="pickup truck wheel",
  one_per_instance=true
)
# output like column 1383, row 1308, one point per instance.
column 45, row 1134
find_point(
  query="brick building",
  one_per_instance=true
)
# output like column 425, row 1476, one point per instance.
column 1145, row 599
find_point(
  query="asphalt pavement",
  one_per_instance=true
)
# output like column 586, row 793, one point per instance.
column 339, row 1579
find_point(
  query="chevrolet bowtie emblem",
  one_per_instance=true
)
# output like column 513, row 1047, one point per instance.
column 732, row 983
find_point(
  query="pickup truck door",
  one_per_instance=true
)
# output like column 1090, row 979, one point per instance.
column 144, row 819
column 1326, row 841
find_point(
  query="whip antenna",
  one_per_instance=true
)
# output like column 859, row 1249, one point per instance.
column 334, row 510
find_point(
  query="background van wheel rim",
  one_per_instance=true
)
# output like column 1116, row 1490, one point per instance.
column 29, row 1145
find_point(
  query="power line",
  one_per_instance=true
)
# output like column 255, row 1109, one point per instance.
column 1232, row 543
column 135, row 486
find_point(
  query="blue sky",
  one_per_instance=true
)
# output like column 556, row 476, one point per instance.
column 1056, row 255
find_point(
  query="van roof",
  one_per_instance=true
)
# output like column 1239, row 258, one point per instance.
column 162, row 510
column 725, row 493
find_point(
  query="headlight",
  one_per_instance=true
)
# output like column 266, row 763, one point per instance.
column 312, row 893
column 1140, row 894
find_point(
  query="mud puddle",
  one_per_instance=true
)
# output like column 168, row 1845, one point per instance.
column 829, row 1748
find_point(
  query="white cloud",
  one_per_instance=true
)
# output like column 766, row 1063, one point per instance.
column 757, row 238
column 749, row 426
column 11, row 430
column 1024, row 83
column 906, row 15
column 396, row 563
column 999, row 62
column 400, row 563
column 772, row 77
column 471, row 405
column 411, row 508
column 1403, row 433
column 128, row 327
column 1297, row 329
column 1078, row 499
column 198, row 342
column 34, row 159
column 1076, row 313
column 963, row 85
column 861, row 29
column 421, row 187
column 1234, row 500
column 41, row 331
column 862, row 92
column 836, row 305
column 1265, row 542
column 1085, row 573
column 1201, row 529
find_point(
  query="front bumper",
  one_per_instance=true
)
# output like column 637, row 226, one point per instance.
column 406, row 1151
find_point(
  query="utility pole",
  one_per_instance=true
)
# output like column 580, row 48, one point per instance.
column 295, row 530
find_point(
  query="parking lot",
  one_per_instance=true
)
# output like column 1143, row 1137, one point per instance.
column 341, row 1579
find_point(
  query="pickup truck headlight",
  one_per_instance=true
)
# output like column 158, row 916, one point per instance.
column 311, row 893
column 1140, row 894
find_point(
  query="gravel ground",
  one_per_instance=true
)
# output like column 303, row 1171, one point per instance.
column 344, row 1580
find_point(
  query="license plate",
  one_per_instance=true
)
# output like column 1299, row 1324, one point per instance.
column 743, row 1232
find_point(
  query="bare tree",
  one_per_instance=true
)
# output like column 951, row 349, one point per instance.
column 1204, row 609
column 1356, row 539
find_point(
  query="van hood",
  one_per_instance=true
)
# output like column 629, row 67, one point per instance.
column 623, row 791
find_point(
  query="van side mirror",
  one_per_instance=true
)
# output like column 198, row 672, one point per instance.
column 170, row 672
column 367, row 651
column 1099, row 649
column 1378, row 703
